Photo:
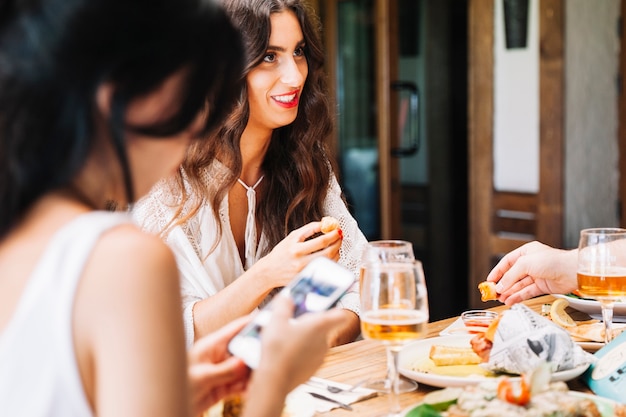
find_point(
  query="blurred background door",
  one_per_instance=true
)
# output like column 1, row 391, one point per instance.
column 398, row 71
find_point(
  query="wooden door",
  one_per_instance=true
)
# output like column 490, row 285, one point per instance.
column 502, row 221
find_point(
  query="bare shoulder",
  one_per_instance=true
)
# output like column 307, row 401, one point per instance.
column 128, row 264
column 127, row 249
column 128, row 302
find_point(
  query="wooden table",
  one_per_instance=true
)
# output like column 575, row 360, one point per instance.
column 367, row 359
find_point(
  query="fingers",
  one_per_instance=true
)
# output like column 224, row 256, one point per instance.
column 282, row 307
column 211, row 382
column 504, row 265
column 324, row 321
column 212, row 347
column 230, row 370
column 521, row 295
column 306, row 231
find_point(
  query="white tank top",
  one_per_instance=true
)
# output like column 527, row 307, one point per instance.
column 38, row 370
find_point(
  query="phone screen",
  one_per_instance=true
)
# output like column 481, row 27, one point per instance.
column 317, row 287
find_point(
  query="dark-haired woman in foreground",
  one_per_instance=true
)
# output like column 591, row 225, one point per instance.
column 99, row 99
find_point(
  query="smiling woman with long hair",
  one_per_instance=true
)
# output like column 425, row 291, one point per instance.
column 243, row 215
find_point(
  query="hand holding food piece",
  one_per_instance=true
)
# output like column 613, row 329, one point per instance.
column 329, row 224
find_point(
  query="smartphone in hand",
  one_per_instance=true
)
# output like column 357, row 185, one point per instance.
column 317, row 287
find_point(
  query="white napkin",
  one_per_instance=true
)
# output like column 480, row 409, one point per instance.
column 317, row 385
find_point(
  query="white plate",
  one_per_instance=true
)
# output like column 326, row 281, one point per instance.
column 593, row 308
column 605, row 405
column 467, row 375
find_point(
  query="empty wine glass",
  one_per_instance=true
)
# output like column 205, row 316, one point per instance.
column 394, row 311
column 601, row 270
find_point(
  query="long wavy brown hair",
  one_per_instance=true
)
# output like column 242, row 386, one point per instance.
column 297, row 165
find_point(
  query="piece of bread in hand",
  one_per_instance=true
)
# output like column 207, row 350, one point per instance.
column 487, row 291
column 329, row 224
column 443, row 355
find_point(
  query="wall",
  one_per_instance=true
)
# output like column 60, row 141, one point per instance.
column 516, row 104
column 591, row 147
column 591, row 118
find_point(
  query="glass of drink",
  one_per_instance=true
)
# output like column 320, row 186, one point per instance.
column 388, row 251
column 394, row 311
column 601, row 270
column 384, row 251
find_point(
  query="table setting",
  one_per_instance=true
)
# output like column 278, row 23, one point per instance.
column 446, row 386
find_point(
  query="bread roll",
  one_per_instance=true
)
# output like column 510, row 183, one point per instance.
column 329, row 224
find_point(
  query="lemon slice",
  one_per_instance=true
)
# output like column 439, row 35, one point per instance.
column 559, row 315
column 441, row 399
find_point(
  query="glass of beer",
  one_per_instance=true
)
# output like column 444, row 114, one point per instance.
column 601, row 270
column 394, row 311
column 385, row 251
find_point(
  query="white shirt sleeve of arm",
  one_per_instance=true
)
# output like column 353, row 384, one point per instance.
column 354, row 243
column 153, row 216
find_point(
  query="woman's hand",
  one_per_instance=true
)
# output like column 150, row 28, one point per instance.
column 294, row 252
column 534, row 269
column 292, row 350
column 213, row 373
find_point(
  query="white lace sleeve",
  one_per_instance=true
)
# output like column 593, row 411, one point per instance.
column 153, row 214
column 354, row 243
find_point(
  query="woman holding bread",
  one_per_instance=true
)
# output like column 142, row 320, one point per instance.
column 243, row 213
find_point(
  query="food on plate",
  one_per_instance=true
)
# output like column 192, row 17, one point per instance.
column 442, row 399
column 520, row 339
column 581, row 331
column 593, row 332
column 483, row 342
column 487, row 291
column 453, row 355
column 329, row 224
column 559, row 315
column 499, row 398
column 532, row 395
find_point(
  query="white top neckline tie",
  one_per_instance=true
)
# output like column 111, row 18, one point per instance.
column 250, row 241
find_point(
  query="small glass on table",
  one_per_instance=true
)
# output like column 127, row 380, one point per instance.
column 601, row 270
column 394, row 311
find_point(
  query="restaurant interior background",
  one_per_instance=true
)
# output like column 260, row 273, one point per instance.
column 468, row 146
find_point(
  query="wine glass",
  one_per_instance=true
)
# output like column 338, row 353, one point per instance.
column 394, row 311
column 388, row 251
column 601, row 270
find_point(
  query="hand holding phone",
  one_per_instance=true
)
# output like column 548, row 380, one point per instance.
column 316, row 288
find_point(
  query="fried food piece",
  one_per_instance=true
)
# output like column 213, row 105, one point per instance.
column 487, row 291
column 233, row 406
column 483, row 342
column 453, row 355
column 329, row 224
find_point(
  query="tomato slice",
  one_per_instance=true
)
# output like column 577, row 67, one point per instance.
column 508, row 394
